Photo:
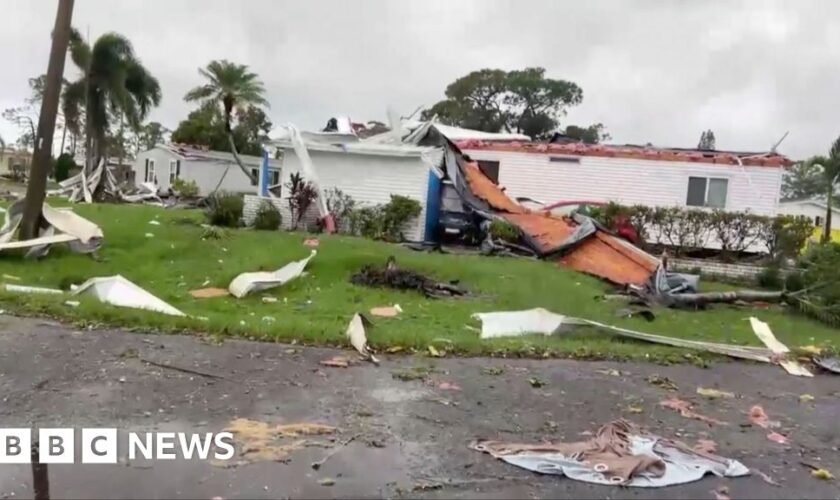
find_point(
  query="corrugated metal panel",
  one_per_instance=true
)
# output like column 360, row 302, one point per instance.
column 627, row 181
column 370, row 179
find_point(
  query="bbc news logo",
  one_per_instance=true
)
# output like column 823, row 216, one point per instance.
column 100, row 446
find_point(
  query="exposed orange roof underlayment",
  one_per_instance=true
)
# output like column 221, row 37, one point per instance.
column 601, row 254
column 634, row 152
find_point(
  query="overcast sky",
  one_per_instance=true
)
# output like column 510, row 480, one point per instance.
column 651, row 71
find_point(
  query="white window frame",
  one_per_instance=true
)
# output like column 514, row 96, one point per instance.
column 706, row 193
column 173, row 171
column 151, row 177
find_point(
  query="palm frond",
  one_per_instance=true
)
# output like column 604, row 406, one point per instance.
column 72, row 103
column 201, row 93
column 79, row 50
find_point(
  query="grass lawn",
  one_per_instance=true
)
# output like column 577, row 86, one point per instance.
column 317, row 307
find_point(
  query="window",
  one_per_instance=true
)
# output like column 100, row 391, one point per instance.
column 818, row 221
column 490, row 169
column 150, row 171
column 173, row 171
column 255, row 176
column 706, row 192
column 273, row 177
column 563, row 159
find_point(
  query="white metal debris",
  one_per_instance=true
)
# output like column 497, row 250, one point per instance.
column 31, row 289
column 246, row 283
column 358, row 338
column 63, row 226
column 763, row 332
column 118, row 291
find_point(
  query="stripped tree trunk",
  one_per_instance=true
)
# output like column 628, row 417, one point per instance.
column 701, row 299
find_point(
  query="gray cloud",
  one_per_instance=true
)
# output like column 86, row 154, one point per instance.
column 652, row 71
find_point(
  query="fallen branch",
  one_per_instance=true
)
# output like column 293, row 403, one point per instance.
column 185, row 370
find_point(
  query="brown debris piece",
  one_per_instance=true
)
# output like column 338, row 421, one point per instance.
column 260, row 441
column 685, row 409
column 386, row 311
column 210, row 292
column 336, row 362
column 311, row 242
column 705, row 446
column 397, row 278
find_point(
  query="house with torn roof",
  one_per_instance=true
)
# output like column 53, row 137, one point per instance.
column 164, row 163
column 633, row 175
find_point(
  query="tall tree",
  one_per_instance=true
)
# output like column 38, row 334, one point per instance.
column 830, row 167
column 37, row 185
column 492, row 100
column 149, row 135
column 205, row 127
column 593, row 134
column 707, row 141
column 233, row 87
column 803, row 180
column 113, row 80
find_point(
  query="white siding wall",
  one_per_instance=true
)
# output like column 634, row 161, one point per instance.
column 161, row 158
column 630, row 181
column 810, row 210
column 369, row 179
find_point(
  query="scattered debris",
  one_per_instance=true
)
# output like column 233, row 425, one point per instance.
column 118, row 291
column 492, row 370
column 634, row 409
column 536, row 382
column 206, row 293
column 267, row 299
column 619, row 454
column 777, row 438
column 387, row 311
column 829, row 364
column 358, row 337
column 311, row 242
column 764, row 477
column 317, row 465
column 261, row 441
column 721, row 493
column 183, row 370
column 811, row 349
column 632, row 312
column 433, row 352
column 72, row 303
column 392, row 276
column 414, row 373
column 327, row 481
column 714, row 393
column 612, row 372
column 150, row 235
column 705, row 446
column 662, row 382
column 449, row 386
column 336, row 362
column 823, row 474
column 31, row 289
column 246, row 283
column 62, row 226
column 154, row 222
column 806, row 398
column 763, row 332
column 759, row 418
column 10, row 277
column 685, row 409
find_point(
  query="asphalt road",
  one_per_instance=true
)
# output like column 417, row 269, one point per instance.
column 404, row 438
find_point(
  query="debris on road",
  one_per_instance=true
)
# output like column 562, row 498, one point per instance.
column 336, row 362
column 536, row 382
column 433, row 352
column 118, row 291
column 714, row 393
column 397, row 278
column 830, row 364
column 206, row 293
column 327, row 481
column 317, row 465
column 705, row 446
column 263, row 442
column 763, row 332
column 619, row 454
column 449, row 386
column 31, row 289
column 662, row 382
column 777, row 438
column 246, row 283
column 358, row 337
column 685, row 409
column 759, row 418
column 721, row 493
column 823, row 474
column 386, row 311
column 811, row 349
column 806, row 398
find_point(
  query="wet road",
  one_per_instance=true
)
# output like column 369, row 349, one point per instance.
column 406, row 437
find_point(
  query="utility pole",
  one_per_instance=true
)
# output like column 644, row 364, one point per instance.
column 36, row 189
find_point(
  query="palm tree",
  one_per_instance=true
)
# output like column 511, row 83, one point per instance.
column 232, row 86
column 113, row 80
column 831, row 175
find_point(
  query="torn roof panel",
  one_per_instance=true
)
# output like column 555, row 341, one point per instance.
column 774, row 160
column 600, row 254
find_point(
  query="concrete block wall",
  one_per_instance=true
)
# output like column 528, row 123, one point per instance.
column 252, row 204
column 733, row 271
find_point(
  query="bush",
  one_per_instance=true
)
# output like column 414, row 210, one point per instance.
column 187, row 189
column 62, row 167
column 368, row 222
column 794, row 281
column 397, row 213
column 501, row 229
column 225, row 209
column 268, row 218
column 301, row 195
column 770, row 277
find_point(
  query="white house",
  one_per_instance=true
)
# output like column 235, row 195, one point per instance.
column 813, row 209
column 166, row 162
column 633, row 175
column 370, row 173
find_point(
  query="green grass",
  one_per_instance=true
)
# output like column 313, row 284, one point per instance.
column 317, row 307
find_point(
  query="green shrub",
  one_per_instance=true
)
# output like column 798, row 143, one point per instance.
column 396, row 214
column 770, row 277
column 268, row 217
column 794, row 281
column 368, row 222
column 62, row 167
column 501, row 229
column 187, row 189
column 225, row 209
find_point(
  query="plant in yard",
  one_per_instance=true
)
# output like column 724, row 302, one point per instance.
column 397, row 213
column 114, row 83
column 784, row 235
column 830, row 176
column 501, row 229
column 368, row 222
column 340, row 205
column 821, row 271
column 62, row 167
column 302, row 194
column 187, row 189
column 268, row 218
column 231, row 86
column 225, row 209
column 770, row 277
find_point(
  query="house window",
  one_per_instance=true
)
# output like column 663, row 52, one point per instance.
column 818, row 221
column 173, row 171
column 255, row 176
column 706, row 192
column 150, row 171
column 273, row 177
column 490, row 169
column 563, row 159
